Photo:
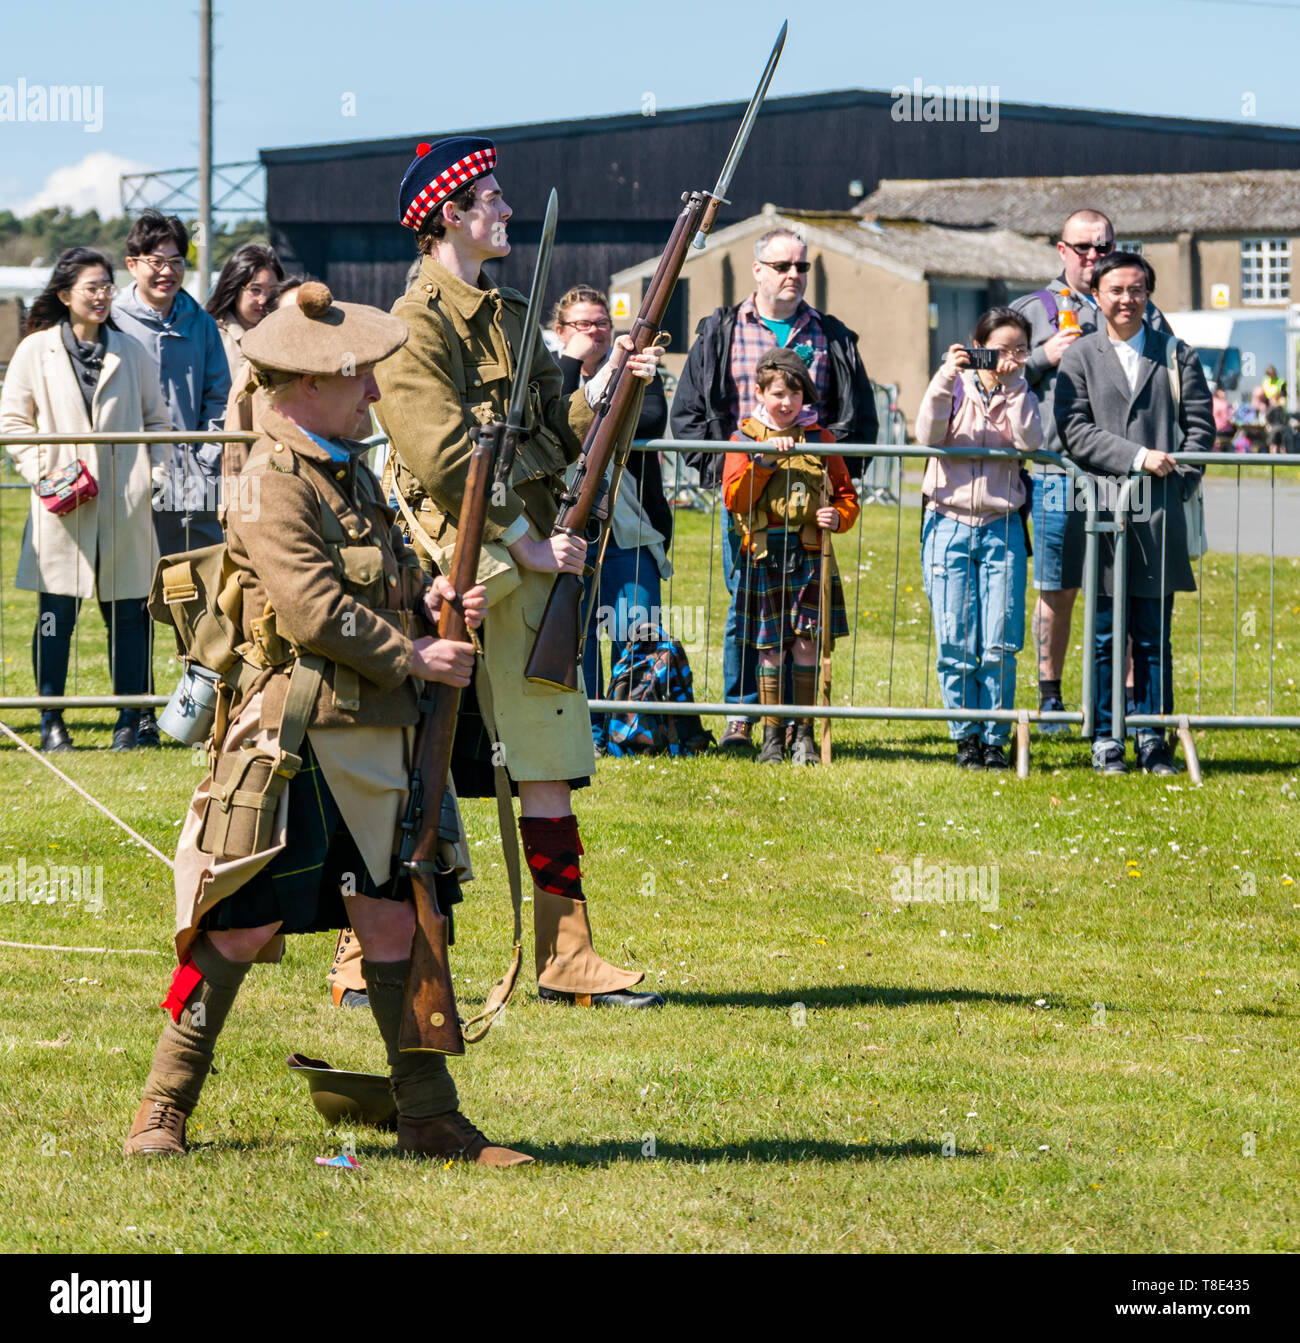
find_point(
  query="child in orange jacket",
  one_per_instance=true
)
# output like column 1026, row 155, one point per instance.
column 782, row 501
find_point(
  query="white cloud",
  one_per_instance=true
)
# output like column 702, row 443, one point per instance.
column 91, row 184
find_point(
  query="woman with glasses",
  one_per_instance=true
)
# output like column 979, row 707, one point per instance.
column 246, row 290
column 642, row 527
column 88, row 527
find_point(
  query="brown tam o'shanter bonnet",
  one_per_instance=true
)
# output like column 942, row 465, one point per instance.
column 317, row 335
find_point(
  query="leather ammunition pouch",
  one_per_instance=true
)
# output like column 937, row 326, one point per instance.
column 247, row 784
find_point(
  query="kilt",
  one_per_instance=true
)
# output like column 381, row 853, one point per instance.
column 301, row 887
column 779, row 598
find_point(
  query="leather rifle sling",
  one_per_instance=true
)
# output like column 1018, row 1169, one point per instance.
column 501, row 991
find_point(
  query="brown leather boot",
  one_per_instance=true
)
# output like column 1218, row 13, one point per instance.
column 453, row 1136
column 567, row 962
column 157, row 1130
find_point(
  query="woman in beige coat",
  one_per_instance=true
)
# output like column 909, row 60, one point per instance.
column 76, row 373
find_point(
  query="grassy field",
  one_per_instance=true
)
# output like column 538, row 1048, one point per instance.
column 1104, row 1061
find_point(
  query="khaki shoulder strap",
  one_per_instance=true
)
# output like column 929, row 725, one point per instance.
column 499, row 995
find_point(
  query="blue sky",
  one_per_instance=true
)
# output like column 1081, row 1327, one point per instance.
column 283, row 69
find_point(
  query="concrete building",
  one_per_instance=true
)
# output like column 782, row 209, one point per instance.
column 908, row 289
column 1216, row 239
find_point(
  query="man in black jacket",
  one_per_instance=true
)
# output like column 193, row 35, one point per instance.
column 716, row 392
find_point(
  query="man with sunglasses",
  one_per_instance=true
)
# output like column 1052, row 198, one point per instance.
column 186, row 346
column 717, row 390
column 1058, row 316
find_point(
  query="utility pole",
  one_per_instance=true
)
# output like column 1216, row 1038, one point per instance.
column 205, row 148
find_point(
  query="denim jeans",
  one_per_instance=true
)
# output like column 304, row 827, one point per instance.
column 1149, row 620
column 975, row 580
column 128, row 644
column 629, row 596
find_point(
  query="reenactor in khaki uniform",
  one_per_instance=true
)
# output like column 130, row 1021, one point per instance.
column 453, row 374
column 293, row 829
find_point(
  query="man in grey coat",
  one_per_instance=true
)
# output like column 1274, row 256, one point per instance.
column 1059, row 315
column 186, row 347
column 1119, row 412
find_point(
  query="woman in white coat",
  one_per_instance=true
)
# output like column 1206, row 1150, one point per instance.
column 76, row 373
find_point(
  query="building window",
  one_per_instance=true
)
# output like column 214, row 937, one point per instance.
column 1132, row 245
column 1265, row 270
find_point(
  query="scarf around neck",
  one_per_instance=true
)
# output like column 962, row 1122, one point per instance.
column 87, row 360
column 807, row 416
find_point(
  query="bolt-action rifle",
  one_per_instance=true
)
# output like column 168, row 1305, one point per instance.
column 584, row 511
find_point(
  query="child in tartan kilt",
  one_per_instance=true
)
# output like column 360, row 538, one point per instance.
column 782, row 501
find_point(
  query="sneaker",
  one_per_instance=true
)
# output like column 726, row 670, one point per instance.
column 737, row 739
column 1053, row 704
column 1154, row 758
column 970, row 752
column 995, row 756
column 1108, row 758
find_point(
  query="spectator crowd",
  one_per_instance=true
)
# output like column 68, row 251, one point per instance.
column 1087, row 368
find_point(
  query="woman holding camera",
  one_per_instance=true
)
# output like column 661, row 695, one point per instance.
column 89, row 527
column 973, row 550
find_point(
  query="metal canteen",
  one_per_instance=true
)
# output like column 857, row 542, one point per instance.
column 190, row 712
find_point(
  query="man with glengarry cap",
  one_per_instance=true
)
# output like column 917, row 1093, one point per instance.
column 454, row 374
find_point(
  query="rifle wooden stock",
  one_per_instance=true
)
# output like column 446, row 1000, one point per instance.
column 430, row 1022
column 557, row 651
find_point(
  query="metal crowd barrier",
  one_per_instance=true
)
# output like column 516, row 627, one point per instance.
column 892, row 455
column 1184, row 723
column 192, row 486
column 878, row 487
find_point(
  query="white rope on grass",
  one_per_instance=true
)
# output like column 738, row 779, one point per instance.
column 77, row 788
column 111, row 951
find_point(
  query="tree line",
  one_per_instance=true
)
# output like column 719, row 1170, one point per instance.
column 40, row 237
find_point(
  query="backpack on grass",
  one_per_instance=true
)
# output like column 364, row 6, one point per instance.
column 653, row 669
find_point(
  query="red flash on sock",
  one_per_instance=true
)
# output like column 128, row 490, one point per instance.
column 552, row 848
column 184, row 982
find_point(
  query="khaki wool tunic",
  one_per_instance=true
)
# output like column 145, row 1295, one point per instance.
column 453, row 374
column 364, row 631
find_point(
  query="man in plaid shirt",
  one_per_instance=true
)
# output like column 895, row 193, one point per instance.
column 716, row 392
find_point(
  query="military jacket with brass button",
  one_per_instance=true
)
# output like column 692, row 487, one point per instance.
column 454, row 373
column 323, row 569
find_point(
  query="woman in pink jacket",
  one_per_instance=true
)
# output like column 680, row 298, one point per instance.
column 973, row 551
